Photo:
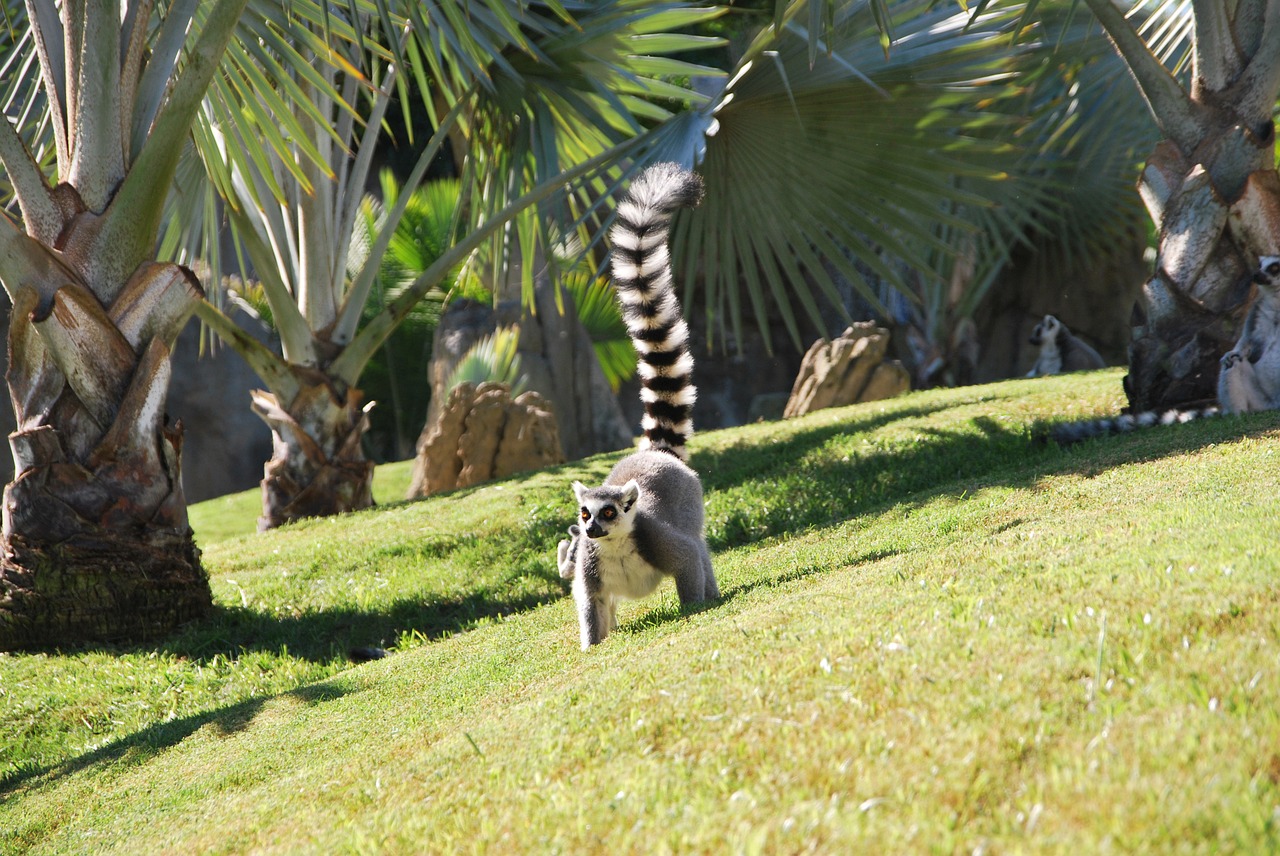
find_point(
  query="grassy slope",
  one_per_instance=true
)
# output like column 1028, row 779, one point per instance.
column 935, row 635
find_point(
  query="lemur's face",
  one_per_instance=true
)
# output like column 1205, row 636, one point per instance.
column 1046, row 330
column 606, row 511
column 1268, row 275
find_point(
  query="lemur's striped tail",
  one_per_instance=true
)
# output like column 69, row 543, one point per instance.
column 1069, row 433
column 642, row 276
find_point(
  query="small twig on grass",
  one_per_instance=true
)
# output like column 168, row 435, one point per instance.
column 1097, row 673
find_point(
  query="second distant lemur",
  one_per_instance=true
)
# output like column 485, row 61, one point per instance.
column 1060, row 351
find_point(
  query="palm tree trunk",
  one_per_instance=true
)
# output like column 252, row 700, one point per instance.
column 1212, row 190
column 96, row 543
column 1216, row 211
column 318, row 467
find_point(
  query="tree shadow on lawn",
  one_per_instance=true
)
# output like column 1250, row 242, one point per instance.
column 140, row 746
column 803, row 498
column 799, row 483
column 324, row 635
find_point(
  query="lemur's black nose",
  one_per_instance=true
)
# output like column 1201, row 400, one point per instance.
column 594, row 530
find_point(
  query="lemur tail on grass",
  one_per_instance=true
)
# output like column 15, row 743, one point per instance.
column 645, row 523
column 1248, row 380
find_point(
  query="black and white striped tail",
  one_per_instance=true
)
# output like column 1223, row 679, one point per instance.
column 1074, row 432
column 642, row 276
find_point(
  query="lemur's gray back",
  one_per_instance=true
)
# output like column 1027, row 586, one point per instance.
column 642, row 277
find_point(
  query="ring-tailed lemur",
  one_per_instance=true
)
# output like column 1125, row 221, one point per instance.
column 645, row 523
column 1248, row 380
column 1060, row 351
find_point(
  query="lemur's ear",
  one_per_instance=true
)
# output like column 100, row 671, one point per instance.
column 578, row 488
column 630, row 493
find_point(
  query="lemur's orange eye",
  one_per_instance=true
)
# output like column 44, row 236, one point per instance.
column 586, row 515
column 608, row 514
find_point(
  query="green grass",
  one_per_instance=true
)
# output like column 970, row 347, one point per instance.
column 936, row 635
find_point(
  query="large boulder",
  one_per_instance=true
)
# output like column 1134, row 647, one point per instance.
column 481, row 434
column 846, row 370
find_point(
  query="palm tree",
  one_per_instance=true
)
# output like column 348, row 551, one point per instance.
column 550, row 100
column 100, row 101
column 1211, row 188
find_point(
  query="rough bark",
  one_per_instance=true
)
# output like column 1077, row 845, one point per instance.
column 1212, row 191
column 1216, row 212
column 318, row 466
column 96, row 544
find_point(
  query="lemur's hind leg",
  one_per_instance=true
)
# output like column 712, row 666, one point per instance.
column 711, row 588
column 695, row 581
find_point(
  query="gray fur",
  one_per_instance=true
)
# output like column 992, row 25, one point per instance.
column 645, row 523
column 1248, row 381
column 1060, row 351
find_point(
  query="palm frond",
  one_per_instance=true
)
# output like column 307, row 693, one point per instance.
column 605, row 80
column 846, row 166
column 597, row 306
column 493, row 359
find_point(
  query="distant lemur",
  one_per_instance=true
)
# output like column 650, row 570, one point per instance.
column 646, row 522
column 1248, row 380
column 1060, row 351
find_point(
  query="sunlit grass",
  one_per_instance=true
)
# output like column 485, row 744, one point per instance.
column 936, row 635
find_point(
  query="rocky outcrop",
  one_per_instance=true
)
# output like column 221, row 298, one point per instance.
column 482, row 433
column 556, row 355
column 846, row 370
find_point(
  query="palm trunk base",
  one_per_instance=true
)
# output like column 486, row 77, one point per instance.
column 1175, row 352
column 335, row 488
column 99, row 586
column 318, row 467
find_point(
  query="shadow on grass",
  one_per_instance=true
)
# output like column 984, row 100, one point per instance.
column 838, row 472
column 675, row 612
column 325, row 635
column 140, row 746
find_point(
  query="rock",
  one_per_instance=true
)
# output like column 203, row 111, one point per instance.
column 845, row 370
column 556, row 355
column 483, row 434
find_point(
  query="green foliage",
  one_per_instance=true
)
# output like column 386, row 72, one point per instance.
column 397, row 375
column 492, row 359
column 935, row 634
column 598, row 311
column 911, row 158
